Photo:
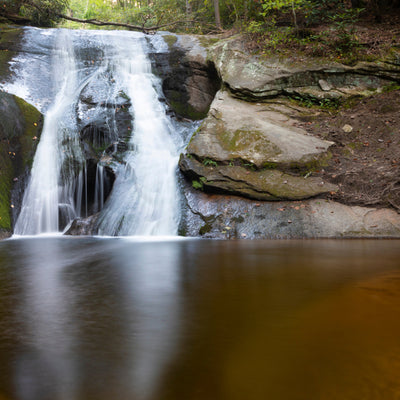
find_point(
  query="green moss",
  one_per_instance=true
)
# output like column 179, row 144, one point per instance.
column 32, row 127
column 307, row 167
column 208, row 41
column 242, row 140
column 270, row 165
column 17, row 146
column 185, row 109
column 391, row 87
column 8, row 36
column 205, row 228
column 6, row 175
column 170, row 40
column 238, row 220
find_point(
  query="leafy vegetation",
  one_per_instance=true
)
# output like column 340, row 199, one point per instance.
column 315, row 27
column 40, row 12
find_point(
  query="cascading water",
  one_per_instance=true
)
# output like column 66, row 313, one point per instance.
column 105, row 126
column 40, row 206
column 145, row 190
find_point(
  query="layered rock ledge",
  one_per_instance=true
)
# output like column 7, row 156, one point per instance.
column 250, row 146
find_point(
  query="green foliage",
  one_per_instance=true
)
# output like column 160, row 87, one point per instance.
column 43, row 12
column 209, row 162
column 343, row 23
column 311, row 101
column 269, row 5
column 141, row 12
column 199, row 185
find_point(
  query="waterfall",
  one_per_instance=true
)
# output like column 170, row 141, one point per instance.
column 144, row 200
column 40, row 205
column 108, row 147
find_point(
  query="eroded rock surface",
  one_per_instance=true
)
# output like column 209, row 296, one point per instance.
column 252, row 78
column 231, row 217
column 189, row 80
column 240, row 149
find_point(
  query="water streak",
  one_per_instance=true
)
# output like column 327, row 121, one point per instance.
column 40, row 206
column 145, row 198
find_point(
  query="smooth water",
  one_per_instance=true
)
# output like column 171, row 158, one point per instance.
column 94, row 319
column 82, row 81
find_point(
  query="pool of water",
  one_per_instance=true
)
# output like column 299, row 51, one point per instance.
column 97, row 319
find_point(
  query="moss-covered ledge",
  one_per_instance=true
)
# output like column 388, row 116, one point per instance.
column 20, row 127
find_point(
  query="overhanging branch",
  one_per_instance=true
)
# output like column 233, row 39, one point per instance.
column 144, row 29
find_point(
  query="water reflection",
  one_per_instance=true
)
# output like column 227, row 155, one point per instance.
column 100, row 319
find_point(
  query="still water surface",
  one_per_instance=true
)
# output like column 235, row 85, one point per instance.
column 103, row 319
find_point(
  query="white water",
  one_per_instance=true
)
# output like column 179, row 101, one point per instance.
column 40, row 206
column 145, row 198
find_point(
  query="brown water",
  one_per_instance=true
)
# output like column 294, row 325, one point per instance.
column 98, row 319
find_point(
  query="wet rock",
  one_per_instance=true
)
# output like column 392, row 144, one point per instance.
column 189, row 81
column 101, row 92
column 20, row 128
column 230, row 217
column 82, row 226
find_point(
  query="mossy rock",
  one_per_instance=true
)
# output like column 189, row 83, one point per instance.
column 10, row 38
column 170, row 40
column 20, row 127
column 267, row 185
column 236, row 130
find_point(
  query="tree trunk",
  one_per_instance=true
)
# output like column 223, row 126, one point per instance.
column 217, row 14
column 188, row 8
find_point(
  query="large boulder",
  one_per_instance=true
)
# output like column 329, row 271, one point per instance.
column 189, row 80
column 231, row 217
column 252, row 78
column 240, row 149
column 20, row 128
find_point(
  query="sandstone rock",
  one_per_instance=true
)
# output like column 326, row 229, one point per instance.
column 252, row 78
column 209, row 215
column 236, row 130
column 259, row 185
column 324, row 85
column 238, row 150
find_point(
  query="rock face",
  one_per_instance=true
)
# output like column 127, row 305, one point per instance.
column 240, row 149
column 230, row 217
column 251, row 78
column 255, row 150
column 20, row 127
column 83, row 226
column 189, row 80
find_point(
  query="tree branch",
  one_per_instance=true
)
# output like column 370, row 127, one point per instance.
column 121, row 24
